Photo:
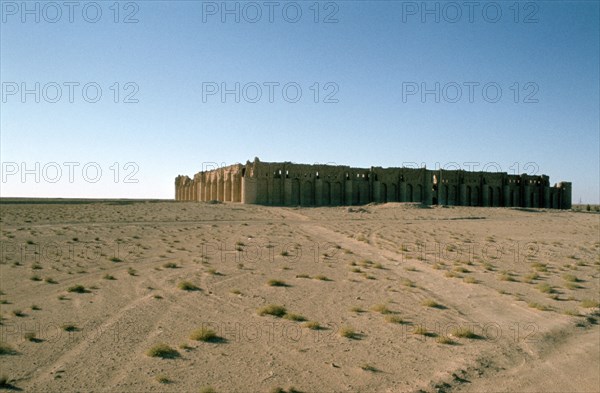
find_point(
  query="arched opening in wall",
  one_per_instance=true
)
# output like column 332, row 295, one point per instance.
column 468, row 201
column 365, row 193
column 336, row 194
column 383, row 193
column 393, row 193
column 287, row 174
column 532, row 200
column 277, row 192
column 228, row 189
column 295, row 197
column 419, row 197
column 498, row 197
column 206, row 193
column 212, row 194
column 220, row 190
column 409, row 193
column 326, row 194
column 445, row 194
column 307, row 194
column 243, row 172
column 237, row 188
column 453, row 196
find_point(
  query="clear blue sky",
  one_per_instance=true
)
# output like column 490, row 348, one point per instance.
column 375, row 52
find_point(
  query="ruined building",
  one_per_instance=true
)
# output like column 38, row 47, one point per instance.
column 288, row 184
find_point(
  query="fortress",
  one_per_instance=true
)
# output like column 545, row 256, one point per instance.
column 289, row 184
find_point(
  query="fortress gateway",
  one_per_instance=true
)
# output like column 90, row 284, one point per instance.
column 288, row 184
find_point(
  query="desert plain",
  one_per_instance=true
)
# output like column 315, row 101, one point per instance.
column 161, row 296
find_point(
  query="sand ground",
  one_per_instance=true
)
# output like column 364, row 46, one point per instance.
column 431, row 299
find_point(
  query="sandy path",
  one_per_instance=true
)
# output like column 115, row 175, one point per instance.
column 551, row 371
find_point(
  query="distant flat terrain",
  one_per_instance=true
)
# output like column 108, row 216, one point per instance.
column 157, row 296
